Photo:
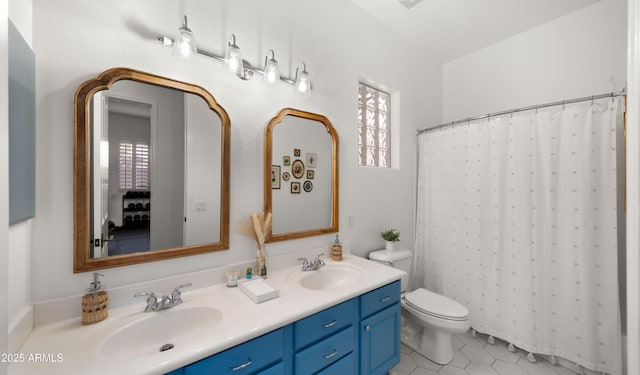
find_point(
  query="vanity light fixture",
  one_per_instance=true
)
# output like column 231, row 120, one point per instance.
column 271, row 71
column 303, row 81
column 184, row 46
column 233, row 58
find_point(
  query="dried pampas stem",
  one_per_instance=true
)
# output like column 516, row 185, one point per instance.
column 245, row 228
column 257, row 228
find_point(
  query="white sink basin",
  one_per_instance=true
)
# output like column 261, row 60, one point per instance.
column 329, row 277
column 161, row 329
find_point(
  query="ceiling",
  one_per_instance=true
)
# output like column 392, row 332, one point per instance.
column 449, row 29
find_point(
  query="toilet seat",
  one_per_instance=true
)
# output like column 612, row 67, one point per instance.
column 436, row 305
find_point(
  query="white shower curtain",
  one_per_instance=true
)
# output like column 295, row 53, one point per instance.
column 516, row 220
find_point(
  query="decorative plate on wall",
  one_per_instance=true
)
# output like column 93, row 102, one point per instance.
column 307, row 186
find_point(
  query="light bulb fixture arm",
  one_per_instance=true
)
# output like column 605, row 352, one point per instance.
column 273, row 57
column 168, row 41
column 184, row 25
column 304, row 67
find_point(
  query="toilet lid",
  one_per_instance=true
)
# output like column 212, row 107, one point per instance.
column 436, row 305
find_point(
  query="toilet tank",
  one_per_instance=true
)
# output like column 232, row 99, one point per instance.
column 400, row 259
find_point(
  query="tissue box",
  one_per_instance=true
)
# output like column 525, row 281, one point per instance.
column 258, row 289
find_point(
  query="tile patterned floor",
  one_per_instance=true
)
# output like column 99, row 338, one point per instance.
column 474, row 356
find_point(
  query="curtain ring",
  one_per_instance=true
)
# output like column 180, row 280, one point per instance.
column 592, row 99
column 564, row 104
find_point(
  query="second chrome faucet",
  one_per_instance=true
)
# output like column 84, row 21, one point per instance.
column 165, row 302
column 313, row 265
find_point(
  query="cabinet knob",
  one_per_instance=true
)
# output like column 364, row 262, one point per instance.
column 367, row 328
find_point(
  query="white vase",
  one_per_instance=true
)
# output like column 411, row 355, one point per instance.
column 390, row 245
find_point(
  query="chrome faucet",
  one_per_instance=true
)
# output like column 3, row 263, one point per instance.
column 165, row 302
column 313, row 265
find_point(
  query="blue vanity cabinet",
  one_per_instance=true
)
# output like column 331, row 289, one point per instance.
column 358, row 336
column 380, row 329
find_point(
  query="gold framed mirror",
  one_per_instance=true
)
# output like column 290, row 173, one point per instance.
column 151, row 170
column 300, row 175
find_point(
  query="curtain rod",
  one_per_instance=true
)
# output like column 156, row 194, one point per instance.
column 522, row 109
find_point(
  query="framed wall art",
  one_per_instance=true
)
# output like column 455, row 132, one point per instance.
column 275, row 177
column 297, row 168
column 295, row 188
column 310, row 174
column 311, row 160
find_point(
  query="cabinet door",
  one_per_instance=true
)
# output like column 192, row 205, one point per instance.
column 380, row 341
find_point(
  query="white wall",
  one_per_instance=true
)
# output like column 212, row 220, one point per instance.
column 570, row 57
column 121, row 33
column 203, row 155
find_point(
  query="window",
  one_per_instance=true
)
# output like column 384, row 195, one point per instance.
column 134, row 166
column 374, row 127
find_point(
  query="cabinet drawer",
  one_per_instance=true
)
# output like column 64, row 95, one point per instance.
column 379, row 299
column 323, row 324
column 346, row 365
column 248, row 358
column 273, row 370
column 324, row 353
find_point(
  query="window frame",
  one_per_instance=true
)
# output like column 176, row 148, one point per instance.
column 365, row 128
column 131, row 182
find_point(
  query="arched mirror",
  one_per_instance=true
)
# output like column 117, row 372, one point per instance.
column 151, row 170
column 300, row 175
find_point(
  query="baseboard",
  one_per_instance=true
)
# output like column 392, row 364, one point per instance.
column 20, row 328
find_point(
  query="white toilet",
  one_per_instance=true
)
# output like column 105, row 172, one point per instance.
column 429, row 319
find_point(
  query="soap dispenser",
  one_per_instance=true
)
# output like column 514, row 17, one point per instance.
column 336, row 250
column 95, row 304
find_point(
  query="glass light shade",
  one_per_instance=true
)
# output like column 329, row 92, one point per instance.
column 271, row 72
column 303, row 83
column 233, row 58
column 185, row 45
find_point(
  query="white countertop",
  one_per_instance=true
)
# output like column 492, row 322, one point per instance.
column 67, row 347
